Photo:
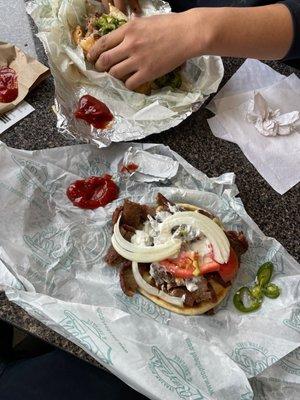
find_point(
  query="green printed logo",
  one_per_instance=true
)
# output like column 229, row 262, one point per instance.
column 291, row 362
column 252, row 358
column 33, row 174
column 93, row 168
column 113, row 336
column 193, row 353
column 142, row 307
column 89, row 334
column 174, row 375
column 294, row 320
column 69, row 245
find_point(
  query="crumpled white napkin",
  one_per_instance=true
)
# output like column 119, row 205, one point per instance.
column 277, row 159
column 270, row 122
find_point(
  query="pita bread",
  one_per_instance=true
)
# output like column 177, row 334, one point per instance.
column 115, row 12
column 202, row 308
column 77, row 34
column 87, row 43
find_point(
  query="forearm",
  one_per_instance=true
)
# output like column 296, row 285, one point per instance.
column 257, row 32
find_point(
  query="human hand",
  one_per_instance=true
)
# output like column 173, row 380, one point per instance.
column 145, row 48
column 121, row 5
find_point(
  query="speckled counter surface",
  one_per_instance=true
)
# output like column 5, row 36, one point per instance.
column 276, row 215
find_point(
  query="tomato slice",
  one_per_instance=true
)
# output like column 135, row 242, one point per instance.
column 229, row 270
column 211, row 266
column 182, row 266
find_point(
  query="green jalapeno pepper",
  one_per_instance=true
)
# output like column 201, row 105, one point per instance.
column 272, row 291
column 238, row 300
column 255, row 294
column 264, row 274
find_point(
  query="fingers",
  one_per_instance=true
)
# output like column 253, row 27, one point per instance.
column 135, row 80
column 110, row 58
column 123, row 70
column 105, row 43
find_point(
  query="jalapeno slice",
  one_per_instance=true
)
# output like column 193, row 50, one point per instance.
column 244, row 294
column 257, row 292
column 250, row 299
column 264, row 274
column 272, row 291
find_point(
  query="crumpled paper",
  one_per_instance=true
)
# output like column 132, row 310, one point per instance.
column 30, row 72
column 136, row 115
column 270, row 122
column 275, row 158
column 51, row 264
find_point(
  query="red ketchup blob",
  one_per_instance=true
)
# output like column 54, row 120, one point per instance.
column 129, row 168
column 93, row 111
column 93, row 192
column 8, row 85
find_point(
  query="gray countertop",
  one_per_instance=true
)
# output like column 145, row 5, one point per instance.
column 276, row 215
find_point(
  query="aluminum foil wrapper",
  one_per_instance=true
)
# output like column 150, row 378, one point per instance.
column 136, row 115
column 51, row 264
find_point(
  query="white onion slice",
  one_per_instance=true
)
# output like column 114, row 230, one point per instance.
column 144, row 257
column 142, row 249
column 216, row 235
column 176, row 301
column 145, row 254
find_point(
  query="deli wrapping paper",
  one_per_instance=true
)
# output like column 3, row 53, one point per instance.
column 51, row 264
column 136, row 115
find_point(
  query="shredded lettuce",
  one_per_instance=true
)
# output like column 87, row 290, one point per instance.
column 107, row 23
column 172, row 79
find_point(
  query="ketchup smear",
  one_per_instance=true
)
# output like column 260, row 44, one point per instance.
column 93, row 111
column 129, row 168
column 93, row 192
column 8, row 85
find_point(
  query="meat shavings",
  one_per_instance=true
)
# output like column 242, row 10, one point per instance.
column 238, row 242
column 192, row 298
column 214, row 297
column 206, row 213
column 163, row 202
column 147, row 210
column 133, row 214
column 116, row 214
column 127, row 232
column 112, row 257
column 127, row 281
column 217, row 278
